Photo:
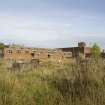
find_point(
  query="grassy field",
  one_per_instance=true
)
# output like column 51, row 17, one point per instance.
column 55, row 84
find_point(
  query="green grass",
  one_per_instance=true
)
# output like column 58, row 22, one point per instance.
column 55, row 84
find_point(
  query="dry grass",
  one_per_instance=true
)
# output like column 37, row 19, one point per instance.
column 55, row 84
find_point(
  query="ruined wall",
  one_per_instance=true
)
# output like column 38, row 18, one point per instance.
column 76, row 51
column 27, row 54
column 17, row 54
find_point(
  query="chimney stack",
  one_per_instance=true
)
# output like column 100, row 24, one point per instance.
column 81, row 44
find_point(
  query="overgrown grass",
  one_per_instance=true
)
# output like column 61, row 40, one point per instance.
column 55, row 84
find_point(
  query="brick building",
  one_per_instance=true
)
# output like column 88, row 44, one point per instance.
column 80, row 49
column 21, row 53
column 27, row 54
column 16, row 54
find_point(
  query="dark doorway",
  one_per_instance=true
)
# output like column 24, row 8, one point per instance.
column 32, row 54
column 49, row 55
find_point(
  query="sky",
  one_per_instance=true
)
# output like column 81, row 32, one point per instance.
column 52, row 23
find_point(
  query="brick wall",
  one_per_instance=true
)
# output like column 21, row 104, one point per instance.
column 26, row 54
column 78, row 50
column 17, row 54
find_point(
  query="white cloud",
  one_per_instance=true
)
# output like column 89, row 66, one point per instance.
column 31, row 29
column 45, row 31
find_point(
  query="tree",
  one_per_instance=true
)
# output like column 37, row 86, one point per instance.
column 96, row 51
column 2, row 45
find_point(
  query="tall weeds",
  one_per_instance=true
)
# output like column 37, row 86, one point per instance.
column 55, row 84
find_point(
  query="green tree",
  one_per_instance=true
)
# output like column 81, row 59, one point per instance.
column 2, row 45
column 96, row 51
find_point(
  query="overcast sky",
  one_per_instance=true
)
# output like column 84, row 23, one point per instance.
column 52, row 23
